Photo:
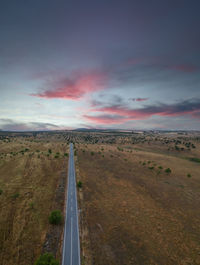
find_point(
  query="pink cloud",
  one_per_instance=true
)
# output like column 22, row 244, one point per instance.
column 185, row 68
column 139, row 99
column 75, row 87
column 119, row 114
column 105, row 119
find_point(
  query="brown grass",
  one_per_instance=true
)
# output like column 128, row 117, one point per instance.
column 139, row 214
column 29, row 182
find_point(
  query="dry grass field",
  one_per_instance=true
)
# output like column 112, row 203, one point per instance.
column 30, row 172
column 140, row 201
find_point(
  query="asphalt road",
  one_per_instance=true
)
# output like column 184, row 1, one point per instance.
column 71, row 242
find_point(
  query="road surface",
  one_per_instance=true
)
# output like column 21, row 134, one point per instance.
column 71, row 243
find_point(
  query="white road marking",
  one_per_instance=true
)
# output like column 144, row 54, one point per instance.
column 71, row 240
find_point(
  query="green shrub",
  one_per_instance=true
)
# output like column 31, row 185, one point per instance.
column 16, row 195
column 195, row 159
column 65, row 154
column 31, row 204
column 55, row 217
column 79, row 184
column 46, row 259
column 1, row 191
column 160, row 167
column 189, row 175
column 92, row 153
column 151, row 167
column 50, row 151
column 168, row 170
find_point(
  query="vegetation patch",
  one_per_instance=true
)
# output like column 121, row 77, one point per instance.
column 168, row 170
column 194, row 159
column 46, row 259
column 55, row 217
column 79, row 184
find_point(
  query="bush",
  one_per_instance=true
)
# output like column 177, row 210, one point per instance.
column 65, row 154
column 55, row 217
column 151, row 167
column 92, row 153
column 194, row 159
column 49, row 151
column 1, row 191
column 46, row 259
column 79, row 184
column 16, row 195
column 160, row 167
column 168, row 170
column 31, row 204
column 189, row 175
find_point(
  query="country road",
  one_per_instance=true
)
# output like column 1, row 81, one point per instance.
column 71, row 243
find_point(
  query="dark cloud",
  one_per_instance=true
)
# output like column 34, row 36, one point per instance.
column 123, row 113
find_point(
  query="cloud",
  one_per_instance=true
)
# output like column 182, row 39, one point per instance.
column 139, row 99
column 106, row 119
column 11, row 125
column 186, row 68
column 74, row 87
column 122, row 113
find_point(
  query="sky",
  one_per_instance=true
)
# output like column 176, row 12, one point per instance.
column 129, row 64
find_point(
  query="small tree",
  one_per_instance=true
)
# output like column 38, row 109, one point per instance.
column 168, row 170
column 1, row 191
column 46, row 259
column 79, row 184
column 55, row 217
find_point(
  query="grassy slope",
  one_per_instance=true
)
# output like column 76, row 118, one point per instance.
column 137, row 215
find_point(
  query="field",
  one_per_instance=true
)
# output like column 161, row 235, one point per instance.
column 140, row 200
column 32, row 183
